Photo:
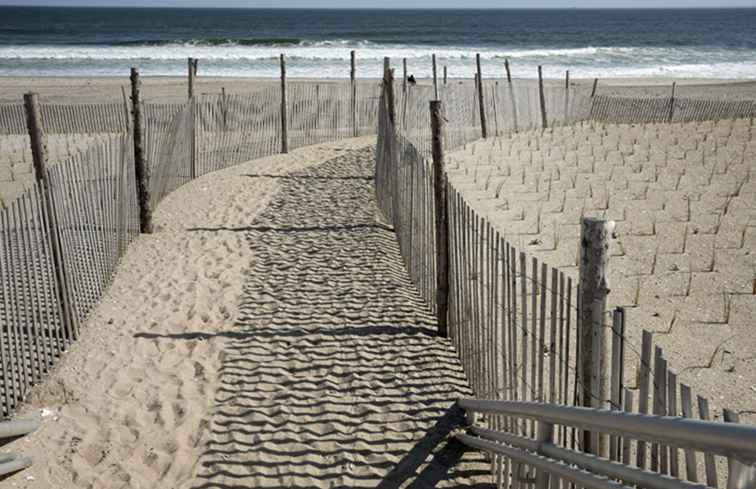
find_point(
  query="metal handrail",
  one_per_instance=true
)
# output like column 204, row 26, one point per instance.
column 728, row 439
column 9, row 431
column 735, row 441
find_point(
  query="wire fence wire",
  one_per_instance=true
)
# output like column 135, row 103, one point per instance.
column 512, row 319
column 63, row 236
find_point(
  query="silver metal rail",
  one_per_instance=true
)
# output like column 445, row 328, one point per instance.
column 735, row 441
column 9, row 431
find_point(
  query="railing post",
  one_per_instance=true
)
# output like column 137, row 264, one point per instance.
column 442, row 217
column 594, row 255
column 353, row 80
column 435, row 77
column 284, row 110
column 39, row 160
column 481, row 99
column 141, row 168
column 740, row 475
column 545, row 435
column 542, row 99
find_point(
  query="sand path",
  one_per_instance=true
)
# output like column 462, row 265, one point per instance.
column 265, row 336
column 333, row 376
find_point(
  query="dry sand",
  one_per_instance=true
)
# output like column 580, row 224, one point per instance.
column 265, row 336
column 684, row 261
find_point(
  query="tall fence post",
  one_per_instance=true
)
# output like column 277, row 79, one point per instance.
column 435, row 78
column 353, row 80
column 141, row 168
column 442, row 217
column 445, row 74
column 481, row 99
column 39, row 160
column 506, row 66
column 672, row 102
column 595, row 85
column 594, row 256
column 284, row 111
column 192, row 74
column 404, row 75
column 542, row 98
column 388, row 85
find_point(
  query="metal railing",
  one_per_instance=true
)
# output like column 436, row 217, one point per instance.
column 736, row 442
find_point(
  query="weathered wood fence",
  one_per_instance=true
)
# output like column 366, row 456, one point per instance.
column 62, row 238
column 522, row 329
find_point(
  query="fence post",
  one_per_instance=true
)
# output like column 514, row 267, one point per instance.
column 544, row 435
column 595, row 84
column 435, row 77
column 444, row 74
column 442, row 217
column 566, row 96
column 388, row 84
column 192, row 73
column 542, row 98
column 284, row 111
column 739, row 474
column 672, row 102
column 141, row 168
column 594, row 255
column 404, row 74
column 506, row 66
column 39, row 160
column 481, row 98
column 353, row 80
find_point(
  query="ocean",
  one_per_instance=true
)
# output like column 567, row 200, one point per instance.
column 51, row 41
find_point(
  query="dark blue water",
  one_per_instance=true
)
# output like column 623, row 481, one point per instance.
column 98, row 41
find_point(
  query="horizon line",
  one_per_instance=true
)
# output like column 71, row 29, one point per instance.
column 209, row 7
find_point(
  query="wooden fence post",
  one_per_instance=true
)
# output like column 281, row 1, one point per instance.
column 481, row 99
column 506, row 66
column 435, row 78
column 192, row 74
column 672, row 102
column 353, row 80
column 542, row 98
column 404, row 75
column 442, row 218
column 444, row 74
column 388, row 84
column 594, row 256
column 141, row 168
column 595, row 84
column 284, row 111
column 39, row 161
column 566, row 96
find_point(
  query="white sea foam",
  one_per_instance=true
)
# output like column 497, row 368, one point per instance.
column 329, row 59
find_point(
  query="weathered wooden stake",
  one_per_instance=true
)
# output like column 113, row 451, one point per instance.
column 444, row 74
column 404, row 75
column 388, row 84
column 353, row 80
column 192, row 67
column 284, row 111
column 435, row 78
column 595, row 84
column 481, row 99
column 672, row 102
column 542, row 98
column 141, row 168
column 594, row 371
column 39, row 161
column 442, row 217
column 567, row 80
column 506, row 66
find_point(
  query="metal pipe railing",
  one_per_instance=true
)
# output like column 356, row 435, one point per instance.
column 728, row 439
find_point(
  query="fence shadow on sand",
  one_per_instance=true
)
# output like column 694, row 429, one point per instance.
column 334, row 377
